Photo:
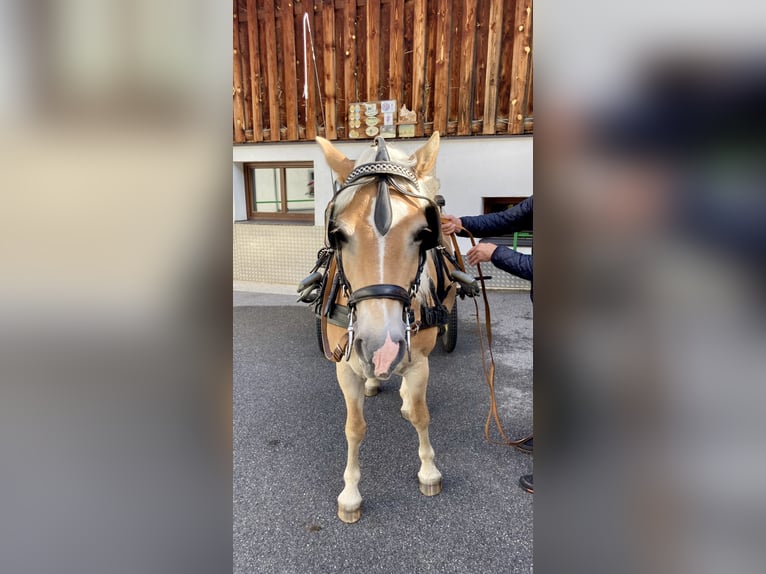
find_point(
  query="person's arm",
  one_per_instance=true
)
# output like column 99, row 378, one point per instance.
column 515, row 263
column 517, row 218
column 502, row 257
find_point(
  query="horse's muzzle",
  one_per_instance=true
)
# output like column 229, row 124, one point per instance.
column 381, row 359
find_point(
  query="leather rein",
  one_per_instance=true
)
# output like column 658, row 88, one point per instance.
column 487, row 358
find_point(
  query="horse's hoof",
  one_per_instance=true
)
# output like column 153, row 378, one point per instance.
column 371, row 391
column 349, row 516
column 430, row 489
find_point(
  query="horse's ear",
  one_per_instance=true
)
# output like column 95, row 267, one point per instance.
column 338, row 162
column 425, row 157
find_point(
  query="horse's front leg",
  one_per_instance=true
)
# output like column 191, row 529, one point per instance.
column 415, row 409
column 352, row 385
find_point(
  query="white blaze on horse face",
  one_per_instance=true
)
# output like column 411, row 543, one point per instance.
column 381, row 251
column 398, row 211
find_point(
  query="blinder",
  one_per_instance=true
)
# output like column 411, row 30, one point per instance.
column 433, row 220
column 332, row 235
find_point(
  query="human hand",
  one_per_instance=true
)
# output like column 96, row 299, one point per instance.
column 451, row 224
column 480, row 253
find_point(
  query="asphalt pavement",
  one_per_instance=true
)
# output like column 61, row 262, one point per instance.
column 290, row 452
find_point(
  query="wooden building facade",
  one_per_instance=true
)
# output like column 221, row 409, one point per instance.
column 463, row 66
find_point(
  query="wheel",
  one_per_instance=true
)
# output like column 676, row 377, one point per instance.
column 319, row 334
column 449, row 338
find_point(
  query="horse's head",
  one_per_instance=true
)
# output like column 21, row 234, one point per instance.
column 380, row 225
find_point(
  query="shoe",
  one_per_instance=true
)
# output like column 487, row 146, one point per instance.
column 526, row 483
column 526, row 445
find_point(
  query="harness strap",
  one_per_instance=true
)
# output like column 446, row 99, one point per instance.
column 386, row 169
column 384, row 291
column 376, row 168
column 456, row 250
column 488, row 366
column 334, row 286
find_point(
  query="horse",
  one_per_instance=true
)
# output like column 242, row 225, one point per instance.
column 386, row 291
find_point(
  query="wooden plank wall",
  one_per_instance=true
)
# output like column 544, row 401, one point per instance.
column 465, row 66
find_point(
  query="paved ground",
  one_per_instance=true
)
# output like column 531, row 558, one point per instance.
column 289, row 453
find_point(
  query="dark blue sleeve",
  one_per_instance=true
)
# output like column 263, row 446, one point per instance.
column 516, row 218
column 515, row 263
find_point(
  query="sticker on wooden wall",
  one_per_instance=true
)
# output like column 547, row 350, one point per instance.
column 368, row 119
column 407, row 117
column 407, row 121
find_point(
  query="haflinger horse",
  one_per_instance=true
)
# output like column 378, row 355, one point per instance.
column 386, row 291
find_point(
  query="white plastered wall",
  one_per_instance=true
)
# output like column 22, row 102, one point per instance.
column 468, row 169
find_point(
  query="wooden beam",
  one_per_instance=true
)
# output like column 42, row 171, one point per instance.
column 255, row 70
column 239, row 111
column 385, row 40
column 480, row 69
column 297, row 22
column 244, row 62
column 407, row 49
column 244, row 59
column 272, row 72
column 341, row 108
column 419, row 63
column 328, row 43
column 349, row 53
column 289, row 83
column 372, row 14
column 454, row 69
column 467, row 68
column 310, row 102
column 522, row 54
column 361, row 53
column 442, row 62
column 396, row 51
column 430, row 69
column 504, row 75
column 493, row 73
column 319, row 63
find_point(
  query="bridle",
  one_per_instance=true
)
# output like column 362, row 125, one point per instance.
column 389, row 175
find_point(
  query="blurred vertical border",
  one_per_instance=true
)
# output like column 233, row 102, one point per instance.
column 650, row 236
column 115, row 299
